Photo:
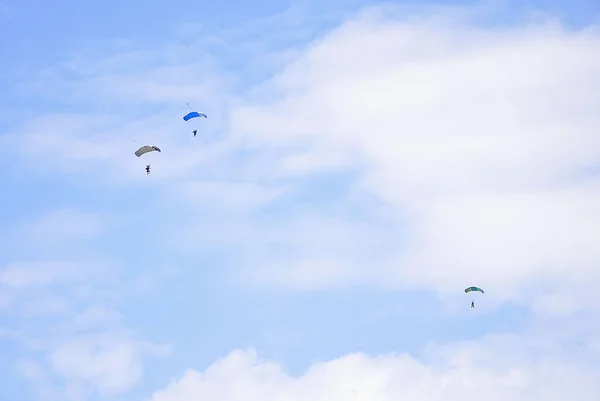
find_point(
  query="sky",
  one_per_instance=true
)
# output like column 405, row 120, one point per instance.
column 361, row 164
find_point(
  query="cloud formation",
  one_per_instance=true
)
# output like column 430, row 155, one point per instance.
column 62, row 320
column 397, row 152
column 493, row 373
column 484, row 139
column 481, row 143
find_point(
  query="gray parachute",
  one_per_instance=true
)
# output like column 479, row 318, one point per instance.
column 146, row 149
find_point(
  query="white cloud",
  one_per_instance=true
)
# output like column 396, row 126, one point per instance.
column 46, row 306
column 22, row 276
column 42, row 384
column 54, row 235
column 30, row 369
column 109, row 363
column 498, row 369
column 64, row 226
column 96, row 314
column 483, row 139
column 81, row 332
column 229, row 195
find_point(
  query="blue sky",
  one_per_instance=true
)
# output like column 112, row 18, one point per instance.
column 360, row 165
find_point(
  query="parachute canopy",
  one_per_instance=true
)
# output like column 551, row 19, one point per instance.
column 193, row 114
column 145, row 149
column 469, row 289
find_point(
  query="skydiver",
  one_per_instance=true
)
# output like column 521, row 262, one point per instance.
column 147, row 169
column 195, row 132
column 472, row 304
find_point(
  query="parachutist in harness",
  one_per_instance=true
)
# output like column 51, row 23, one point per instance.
column 147, row 149
column 469, row 289
column 193, row 114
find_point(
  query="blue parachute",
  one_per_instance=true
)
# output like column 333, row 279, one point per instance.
column 193, row 114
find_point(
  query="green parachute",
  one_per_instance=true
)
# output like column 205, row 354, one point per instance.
column 469, row 289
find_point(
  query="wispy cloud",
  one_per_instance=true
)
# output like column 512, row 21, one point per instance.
column 23, row 276
column 83, row 336
column 63, row 227
column 109, row 362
